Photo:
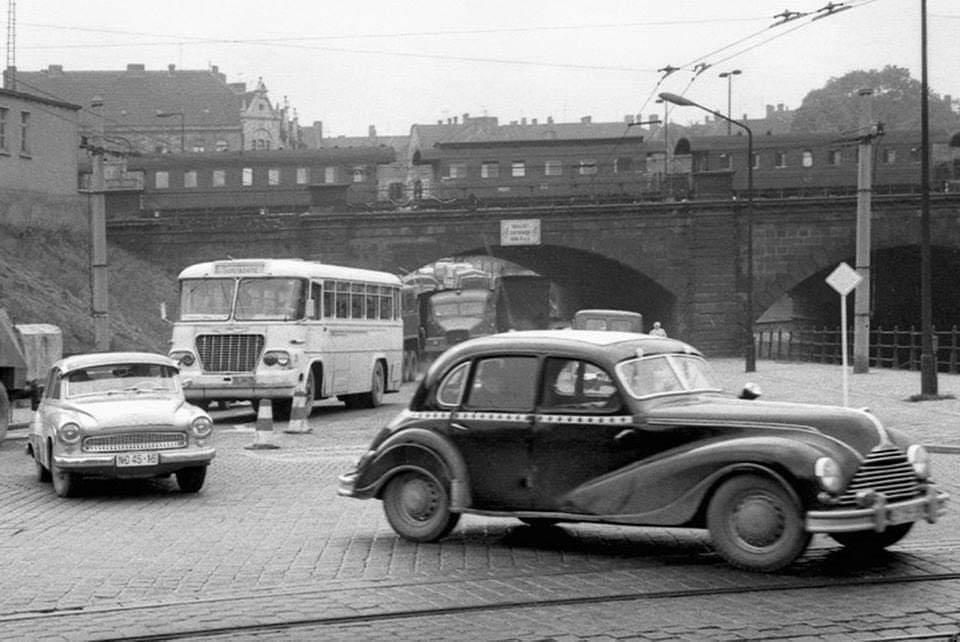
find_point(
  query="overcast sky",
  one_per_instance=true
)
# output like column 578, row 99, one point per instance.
column 393, row 64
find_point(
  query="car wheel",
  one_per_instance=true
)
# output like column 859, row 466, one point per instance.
column 43, row 473
column 190, row 480
column 374, row 398
column 417, row 506
column 65, row 483
column 756, row 524
column 872, row 540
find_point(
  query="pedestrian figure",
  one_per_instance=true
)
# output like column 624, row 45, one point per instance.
column 657, row 330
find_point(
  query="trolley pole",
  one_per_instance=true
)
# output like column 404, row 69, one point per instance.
column 861, row 317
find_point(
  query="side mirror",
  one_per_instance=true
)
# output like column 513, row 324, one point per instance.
column 750, row 391
column 163, row 312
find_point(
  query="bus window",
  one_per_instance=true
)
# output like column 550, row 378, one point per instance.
column 316, row 299
column 373, row 300
column 356, row 300
column 329, row 297
column 343, row 300
column 386, row 302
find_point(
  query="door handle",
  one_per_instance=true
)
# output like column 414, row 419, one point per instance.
column 457, row 426
column 624, row 434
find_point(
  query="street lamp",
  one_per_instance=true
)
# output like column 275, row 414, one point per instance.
column 729, row 76
column 749, row 347
column 178, row 114
column 666, row 140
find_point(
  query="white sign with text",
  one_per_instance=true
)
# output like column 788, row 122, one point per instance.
column 520, row 231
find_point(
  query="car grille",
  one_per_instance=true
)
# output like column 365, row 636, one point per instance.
column 124, row 442
column 885, row 470
column 229, row 352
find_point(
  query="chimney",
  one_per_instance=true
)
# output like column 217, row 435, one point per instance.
column 628, row 119
column 318, row 130
column 136, row 69
column 372, row 131
column 466, row 117
column 769, row 111
column 533, row 121
column 586, row 120
column 523, row 121
column 171, row 68
column 549, row 120
column 779, row 106
column 55, row 70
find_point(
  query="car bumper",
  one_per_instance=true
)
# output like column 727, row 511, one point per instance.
column 880, row 515
column 347, row 486
column 105, row 464
column 280, row 384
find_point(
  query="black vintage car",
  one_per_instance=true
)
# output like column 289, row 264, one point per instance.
column 612, row 427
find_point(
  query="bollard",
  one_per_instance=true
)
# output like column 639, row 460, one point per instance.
column 263, row 437
column 298, row 414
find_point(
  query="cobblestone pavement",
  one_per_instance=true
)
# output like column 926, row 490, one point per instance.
column 268, row 542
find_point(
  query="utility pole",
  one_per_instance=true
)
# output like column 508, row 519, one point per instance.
column 861, row 317
column 928, row 351
column 98, row 234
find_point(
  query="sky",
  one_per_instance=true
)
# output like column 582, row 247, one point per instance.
column 394, row 64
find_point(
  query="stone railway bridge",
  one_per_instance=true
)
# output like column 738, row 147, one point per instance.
column 681, row 263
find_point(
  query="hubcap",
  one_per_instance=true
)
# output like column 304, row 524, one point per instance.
column 419, row 500
column 758, row 521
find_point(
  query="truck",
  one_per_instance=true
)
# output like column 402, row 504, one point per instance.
column 26, row 353
column 528, row 302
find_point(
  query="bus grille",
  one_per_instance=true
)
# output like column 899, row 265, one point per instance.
column 134, row 441
column 229, row 352
column 885, row 470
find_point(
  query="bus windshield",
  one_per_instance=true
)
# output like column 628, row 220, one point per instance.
column 259, row 299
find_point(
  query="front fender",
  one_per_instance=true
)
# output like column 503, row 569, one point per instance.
column 671, row 489
column 415, row 448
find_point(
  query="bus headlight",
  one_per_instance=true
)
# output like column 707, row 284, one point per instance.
column 277, row 358
column 183, row 357
column 828, row 474
column 201, row 427
column 920, row 460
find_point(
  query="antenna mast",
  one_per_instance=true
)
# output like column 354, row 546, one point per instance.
column 9, row 80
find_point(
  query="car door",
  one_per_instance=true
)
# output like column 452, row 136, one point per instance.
column 582, row 430
column 492, row 428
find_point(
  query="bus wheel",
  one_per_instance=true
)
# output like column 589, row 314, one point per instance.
column 414, row 365
column 374, row 398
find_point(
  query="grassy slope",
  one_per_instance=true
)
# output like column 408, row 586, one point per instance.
column 45, row 278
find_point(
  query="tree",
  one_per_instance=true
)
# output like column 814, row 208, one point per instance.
column 896, row 103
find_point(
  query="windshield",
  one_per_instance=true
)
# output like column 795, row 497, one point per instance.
column 459, row 308
column 117, row 378
column 256, row 299
column 206, row 299
column 665, row 374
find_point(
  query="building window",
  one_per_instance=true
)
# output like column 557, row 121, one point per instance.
column 725, row 161
column 198, row 147
column 162, row 180
column 273, row 176
column 329, row 174
column 588, row 167
column 756, row 160
column 359, row 174
column 24, row 132
column 835, row 156
column 518, row 169
column 622, row 165
column 915, row 154
column 490, row 169
column 247, row 177
column 457, row 170
column 553, row 168
column 219, row 178
column 4, row 112
column 190, row 178
column 889, row 156
column 807, row 158
column 780, row 159
column 303, row 176
column 222, row 145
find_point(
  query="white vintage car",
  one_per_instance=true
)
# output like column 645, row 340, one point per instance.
column 118, row 415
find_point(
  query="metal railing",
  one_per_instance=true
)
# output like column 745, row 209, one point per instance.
column 896, row 348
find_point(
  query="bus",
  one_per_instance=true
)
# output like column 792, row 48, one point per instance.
column 253, row 329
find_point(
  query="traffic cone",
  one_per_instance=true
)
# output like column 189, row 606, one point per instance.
column 298, row 414
column 263, row 437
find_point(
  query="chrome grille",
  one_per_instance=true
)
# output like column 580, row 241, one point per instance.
column 125, row 442
column 229, row 352
column 885, row 470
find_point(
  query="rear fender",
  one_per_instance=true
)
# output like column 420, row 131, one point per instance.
column 416, row 448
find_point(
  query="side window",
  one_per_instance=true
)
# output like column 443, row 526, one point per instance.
column 316, row 298
column 576, row 386
column 451, row 389
column 329, row 296
column 504, row 384
column 52, row 390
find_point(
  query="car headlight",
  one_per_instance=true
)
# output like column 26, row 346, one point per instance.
column 276, row 358
column 201, row 427
column 69, row 433
column 828, row 474
column 919, row 458
column 183, row 357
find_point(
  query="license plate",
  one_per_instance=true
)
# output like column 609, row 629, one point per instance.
column 903, row 514
column 138, row 459
column 241, row 381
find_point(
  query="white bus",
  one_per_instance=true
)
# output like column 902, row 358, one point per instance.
column 252, row 329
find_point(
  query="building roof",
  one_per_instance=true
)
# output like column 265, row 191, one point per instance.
column 132, row 97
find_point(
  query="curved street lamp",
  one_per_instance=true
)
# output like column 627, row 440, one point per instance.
column 729, row 76
column 750, row 352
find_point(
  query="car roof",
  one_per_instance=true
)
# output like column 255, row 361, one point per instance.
column 599, row 345
column 77, row 361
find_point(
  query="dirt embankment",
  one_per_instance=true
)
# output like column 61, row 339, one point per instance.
column 45, row 278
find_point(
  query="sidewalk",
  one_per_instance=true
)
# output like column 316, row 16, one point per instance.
column 936, row 424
